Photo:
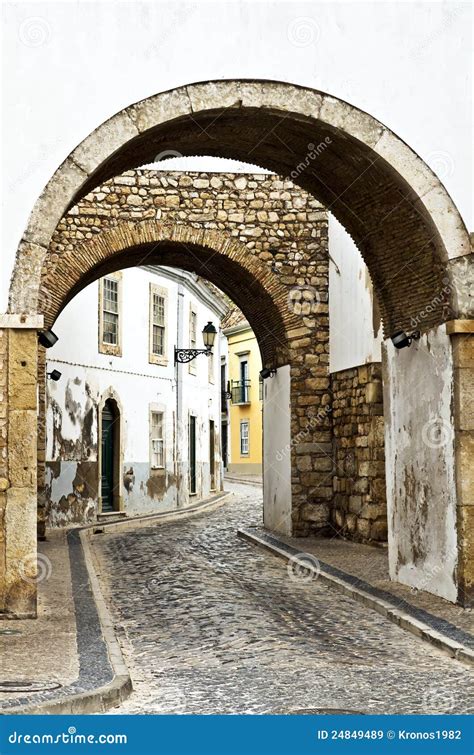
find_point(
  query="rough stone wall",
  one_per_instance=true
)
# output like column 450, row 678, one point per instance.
column 283, row 228
column 3, row 453
column 41, row 471
column 359, row 508
column 463, row 353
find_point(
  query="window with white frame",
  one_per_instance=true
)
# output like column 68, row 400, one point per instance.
column 158, row 313
column 157, row 442
column 244, row 437
column 192, row 330
column 109, row 314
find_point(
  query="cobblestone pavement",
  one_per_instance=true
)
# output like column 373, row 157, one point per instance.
column 210, row 624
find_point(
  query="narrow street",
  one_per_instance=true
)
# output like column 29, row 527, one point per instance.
column 210, row 624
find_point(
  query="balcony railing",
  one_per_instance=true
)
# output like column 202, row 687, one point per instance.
column 240, row 392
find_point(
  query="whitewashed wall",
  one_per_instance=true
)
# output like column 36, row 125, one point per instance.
column 88, row 375
column 277, row 452
column 419, row 443
column 355, row 332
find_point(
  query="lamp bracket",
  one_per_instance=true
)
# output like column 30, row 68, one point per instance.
column 182, row 356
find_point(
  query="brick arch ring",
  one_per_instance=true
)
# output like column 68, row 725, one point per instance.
column 214, row 255
column 396, row 209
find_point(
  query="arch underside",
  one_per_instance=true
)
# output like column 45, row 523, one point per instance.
column 390, row 225
column 267, row 313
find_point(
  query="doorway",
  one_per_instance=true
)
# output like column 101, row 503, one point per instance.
column 110, row 453
column 192, row 455
column 212, row 454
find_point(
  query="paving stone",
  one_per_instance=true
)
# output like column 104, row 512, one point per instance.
column 209, row 624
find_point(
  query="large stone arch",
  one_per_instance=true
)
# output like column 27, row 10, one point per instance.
column 217, row 256
column 417, row 251
column 395, row 208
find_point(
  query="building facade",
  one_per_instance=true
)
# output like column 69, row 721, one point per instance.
column 244, row 389
column 127, row 429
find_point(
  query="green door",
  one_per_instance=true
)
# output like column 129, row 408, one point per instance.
column 107, row 486
column 192, row 454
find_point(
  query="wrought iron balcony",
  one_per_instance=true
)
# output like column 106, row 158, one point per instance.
column 240, row 391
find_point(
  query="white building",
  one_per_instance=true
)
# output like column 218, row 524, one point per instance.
column 127, row 429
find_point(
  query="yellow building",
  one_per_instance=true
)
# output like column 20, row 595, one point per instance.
column 244, row 391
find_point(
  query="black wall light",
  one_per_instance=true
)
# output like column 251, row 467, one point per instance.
column 209, row 333
column 47, row 338
column 267, row 372
column 54, row 375
column 401, row 339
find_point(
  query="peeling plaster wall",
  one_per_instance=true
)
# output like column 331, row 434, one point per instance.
column 73, row 406
column 277, row 452
column 419, row 446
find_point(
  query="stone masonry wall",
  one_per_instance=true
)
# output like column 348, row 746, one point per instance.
column 286, row 230
column 359, row 508
column 3, row 452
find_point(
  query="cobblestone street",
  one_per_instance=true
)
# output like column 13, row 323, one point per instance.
column 210, row 624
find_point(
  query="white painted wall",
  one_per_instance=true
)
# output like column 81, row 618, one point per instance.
column 419, row 448
column 69, row 66
column 354, row 336
column 138, row 385
column 277, row 452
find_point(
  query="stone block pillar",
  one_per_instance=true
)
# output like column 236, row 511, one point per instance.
column 18, row 464
column 462, row 339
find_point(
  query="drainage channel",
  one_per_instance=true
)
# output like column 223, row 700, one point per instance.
column 20, row 685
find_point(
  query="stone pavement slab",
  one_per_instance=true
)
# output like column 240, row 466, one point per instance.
column 44, row 649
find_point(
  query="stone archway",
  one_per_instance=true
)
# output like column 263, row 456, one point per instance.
column 224, row 260
column 281, row 333
column 395, row 208
column 409, row 232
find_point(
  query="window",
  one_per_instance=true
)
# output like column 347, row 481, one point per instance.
column 158, row 324
column 156, row 440
column 110, row 331
column 244, row 438
column 109, row 314
column 240, row 389
column 193, row 330
column 158, row 312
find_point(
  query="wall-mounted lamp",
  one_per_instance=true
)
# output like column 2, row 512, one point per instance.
column 47, row 338
column 187, row 355
column 401, row 339
column 54, row 375
column 267, row 372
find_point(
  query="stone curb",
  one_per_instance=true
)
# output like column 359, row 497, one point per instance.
column 243, row 482
column 425, row 628
column 110, row 693
column 208, row 504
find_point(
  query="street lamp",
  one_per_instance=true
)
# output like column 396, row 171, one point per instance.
column 187, row 355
